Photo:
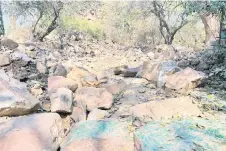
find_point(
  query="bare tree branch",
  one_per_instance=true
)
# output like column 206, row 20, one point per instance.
column 53, row 24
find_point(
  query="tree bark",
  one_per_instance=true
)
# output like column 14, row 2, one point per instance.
column 53, row 24
column 206, row 26
column 221, row 24
column 211, row 26
column 35, row 25
column 2, row 29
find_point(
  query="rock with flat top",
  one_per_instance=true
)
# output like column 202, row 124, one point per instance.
column 61, row 100
column 185, row 79
column 94, row 97
column 61, row 82
column 4, row 60
column 14, row 97
column 37, row 132
column 99, row 136
column 169, row 108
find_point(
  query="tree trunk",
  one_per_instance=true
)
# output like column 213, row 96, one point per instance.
column 167, row 33
column 54, row 23
column 211, row 25
column 221, row 24
column 2, row 29
column 36, row 23
column 206, row 26
column 51, row 27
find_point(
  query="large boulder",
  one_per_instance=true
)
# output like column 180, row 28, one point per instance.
column 187, row 134
column 9, row 43
column 99, row 136
column 61, row 100
column 15, row 99
column 23, row 67
column 83, row 77
column 158, row 71
column 4, row 59
column 31, row 133
column 94, row 97
column 185, row 79
column 61, row 82
column 182, row 106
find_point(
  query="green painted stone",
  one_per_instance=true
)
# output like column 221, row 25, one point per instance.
column 189, row 134
column 98, row 129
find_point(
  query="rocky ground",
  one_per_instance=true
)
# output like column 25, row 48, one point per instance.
column 86, row 95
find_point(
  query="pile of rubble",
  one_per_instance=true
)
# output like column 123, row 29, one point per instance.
column 53, row 105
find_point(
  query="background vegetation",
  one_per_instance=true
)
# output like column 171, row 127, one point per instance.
column 145, row 23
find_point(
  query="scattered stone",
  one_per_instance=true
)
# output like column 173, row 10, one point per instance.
column 129, row 96
column 102, row 78
column 83, row 77
column 115, row 87
column 184, row 63
column 99, row 136
column 20, row 58
column 15, row 99
column 30, row 133
column 94, row 97
column 61, row 82
column 4, row 60
column 9, row 43
column 97, row 114
column 151, row 55
column 185, row 79
column 41, row 67
column 182, row 106
column 61, row 100
column 58, row 70
column 130, row 72
column 202, row 66
column 78, row 113
column 24, row 71
column 122, row 111
column 46, row 105
column 119, row 70
column 31, row 53
column 164, row 52
column 30, row 48
column 36, row 91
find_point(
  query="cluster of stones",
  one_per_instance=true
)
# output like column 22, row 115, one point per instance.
column 78, row 116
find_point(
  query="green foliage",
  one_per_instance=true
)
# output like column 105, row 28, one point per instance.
column 212, row 7
column 94, row 28
column 128, row 23
column 221, row 71
column 195, row 37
